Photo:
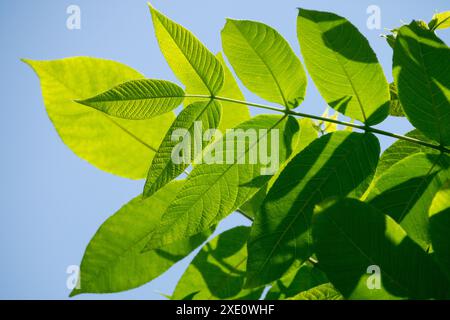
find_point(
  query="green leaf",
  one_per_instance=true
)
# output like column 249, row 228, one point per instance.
column 401, row 149
column 324, row 291
column 343, row 66
column 113, row 260
column 206, row 115
column 138, row 99
column 213, row 190
column 264, row 62
column 233, row 113
column 218, row 270
column 440, row 226
column 395, row 108
column 353, row 241
column 440, row 20
column 337, row 164
column 299, row 278
column 192, row 63
column 422, row 74
column 118, row 146
column 305, row 136
column 406, row 189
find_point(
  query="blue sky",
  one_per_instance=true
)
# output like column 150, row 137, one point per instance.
column 53, row 202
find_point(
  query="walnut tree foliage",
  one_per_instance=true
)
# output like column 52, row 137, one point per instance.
column 334, row 209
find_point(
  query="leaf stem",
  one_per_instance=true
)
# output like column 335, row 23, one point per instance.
column 311, row 116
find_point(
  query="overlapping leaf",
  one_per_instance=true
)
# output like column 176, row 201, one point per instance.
column 138, row 99
column 350, row 236
column 113, row 260
column 422, row 74
column 204, row 115
column 406, row 189
column 264, row 62
column 343, row 66
column 324, row 291
column 300, row 278
column 440, row 226
column 341, row 163
column 213, row 190
column 401, row 149
column 218, row 270
column 119, row 146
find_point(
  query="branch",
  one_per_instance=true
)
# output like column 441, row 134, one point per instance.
column 325, row 119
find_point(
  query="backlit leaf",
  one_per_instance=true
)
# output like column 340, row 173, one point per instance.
column 118, row 146
column 343, row 66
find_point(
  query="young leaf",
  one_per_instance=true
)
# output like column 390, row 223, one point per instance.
column 113, row 260
column 233, row 114
column 299, row 278
column 163, row 169
column 337, row 164
column 395, row 108
column 138, row 99
column 405, row 192
column 440, row 20
column 218, row 270
column 192, row 63
column 214, row 190
column 264, row 62
column 440, row 226
column 343, row 66
column 401, row 149
column 118, row 146
column 324, row 291
column 354, row 241
column 422, row 74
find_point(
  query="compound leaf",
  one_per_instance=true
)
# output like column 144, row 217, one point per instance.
column 220, row 185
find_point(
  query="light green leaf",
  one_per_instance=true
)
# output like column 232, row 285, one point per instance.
column 218, row 270
column 114, row 261
column 305, row 136
column 343, row 66
column 213, row 190
column 204, row 115
column 422, row 74
column 440, row 226
column 299, row 278
column 395, row 108
column 264, row 62
column 233, row 113
column 118, row 146
column 138, row 99
column 337, row 164
column 440, row 20
column 324, row 291
column 401, row 149
column 192, row 63
column 406, row 189
column 354, row 241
